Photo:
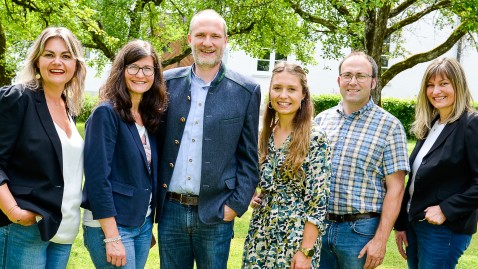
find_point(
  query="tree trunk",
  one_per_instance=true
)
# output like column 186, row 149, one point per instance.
column 5, row 78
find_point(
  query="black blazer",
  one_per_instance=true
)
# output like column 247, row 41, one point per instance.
column 30, row 156
column 447, row 176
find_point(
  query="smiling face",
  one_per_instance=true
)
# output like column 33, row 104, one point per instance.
column 138, row 84
column 56, row 64
column 356, row 94
column 286, row 93
column 441, row 95
column 208, row 40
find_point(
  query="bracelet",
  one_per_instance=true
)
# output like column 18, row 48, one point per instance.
column 112, row 239
column 11, row 210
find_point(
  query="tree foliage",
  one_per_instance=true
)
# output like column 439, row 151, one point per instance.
column 367, row 24
column 285, row 26
column 104, row 26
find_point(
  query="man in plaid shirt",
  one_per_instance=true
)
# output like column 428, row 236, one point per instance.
column 369, row 164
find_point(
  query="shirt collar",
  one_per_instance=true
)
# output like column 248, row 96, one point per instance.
column 365, row 108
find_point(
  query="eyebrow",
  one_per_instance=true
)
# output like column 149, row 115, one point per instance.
column 63, row 52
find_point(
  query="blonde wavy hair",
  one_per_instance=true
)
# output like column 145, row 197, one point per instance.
column 74, row 89
column 425, row 112
column 300, row 141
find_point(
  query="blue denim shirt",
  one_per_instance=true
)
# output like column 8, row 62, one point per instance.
column 187, row 175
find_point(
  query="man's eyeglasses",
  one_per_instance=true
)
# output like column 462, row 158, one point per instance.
column 347, row 77
column 133, row 69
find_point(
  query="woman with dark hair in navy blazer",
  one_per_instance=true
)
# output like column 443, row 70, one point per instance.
column 121, row 160
column 439, row 209
column 41, row 154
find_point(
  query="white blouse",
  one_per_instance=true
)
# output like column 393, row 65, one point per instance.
column 72, row 152
column 435, row 131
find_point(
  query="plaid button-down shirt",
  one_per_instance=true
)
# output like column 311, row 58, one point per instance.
column 366, row 146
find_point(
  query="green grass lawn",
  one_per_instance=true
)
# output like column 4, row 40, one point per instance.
column 80, row 259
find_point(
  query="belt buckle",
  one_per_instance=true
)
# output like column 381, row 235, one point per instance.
column 181, row 201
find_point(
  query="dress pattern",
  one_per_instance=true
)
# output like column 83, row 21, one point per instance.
column 277, row 225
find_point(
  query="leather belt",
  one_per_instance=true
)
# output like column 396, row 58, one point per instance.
column 351, row 217
column 184, row 199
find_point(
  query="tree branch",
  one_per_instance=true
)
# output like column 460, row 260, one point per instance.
column 312, row 18
column 341, row 9
column 28, row 5
column 98, row 40
column 242, row 30
column 395, row 69
column 404, row 5
column 178, row 58
column 415, row 17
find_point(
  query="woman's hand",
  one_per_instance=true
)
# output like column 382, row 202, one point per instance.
column 402, row 242
column 256, row 199
column 22, row 216
column 300, row 261
column 434, row 215
column 115, row 253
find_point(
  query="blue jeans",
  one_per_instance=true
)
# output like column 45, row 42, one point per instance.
column 136, row 241
column 22, row 247
column 182, row 238
column 434, row 246
column 342, row 243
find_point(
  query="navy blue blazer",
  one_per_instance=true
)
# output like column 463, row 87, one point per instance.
column 31, row 156
column 447, row 176
column 118, row 181
column 229, row 169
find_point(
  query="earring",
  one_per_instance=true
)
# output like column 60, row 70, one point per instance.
column 38, row 76
column 269, row 105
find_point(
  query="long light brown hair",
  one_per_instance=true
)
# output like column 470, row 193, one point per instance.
column 425, row 112
column 300, row 140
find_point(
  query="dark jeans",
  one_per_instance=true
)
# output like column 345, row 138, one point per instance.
column 434, row 246
column 182, row 238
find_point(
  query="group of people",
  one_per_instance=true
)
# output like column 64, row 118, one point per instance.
column 182, row 148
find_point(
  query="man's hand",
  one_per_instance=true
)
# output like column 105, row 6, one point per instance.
column 375, row 250
column 402, row 242
column 229, row 213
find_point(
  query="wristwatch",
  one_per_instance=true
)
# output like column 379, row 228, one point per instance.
column 308, row 252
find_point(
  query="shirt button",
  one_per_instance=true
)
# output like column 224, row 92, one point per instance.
column 165, row 186
column 176, row 142
column 189, row 178
column 189, row 98
column 194, row 140
column 200, row 104
column 171, row 165
column 190, row 160
column 182, row 119
column 196, row 122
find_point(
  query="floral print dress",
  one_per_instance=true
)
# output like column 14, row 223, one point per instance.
column 277, row 225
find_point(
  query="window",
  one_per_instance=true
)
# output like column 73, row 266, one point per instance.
column 385, row 54
column 268, row 60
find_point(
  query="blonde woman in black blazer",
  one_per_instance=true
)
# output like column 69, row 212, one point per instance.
column 41, row 161
column 439, row 210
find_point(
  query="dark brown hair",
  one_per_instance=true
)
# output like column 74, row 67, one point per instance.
column 154, row 102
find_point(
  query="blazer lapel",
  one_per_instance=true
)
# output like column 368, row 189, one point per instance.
column 137, row 140
column 47, row 123
column 443, row 135
column 415, row 150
